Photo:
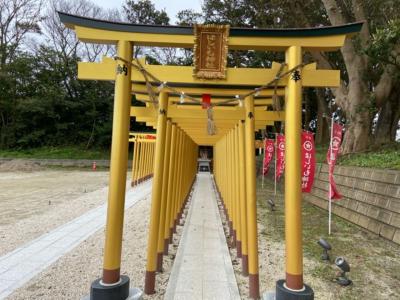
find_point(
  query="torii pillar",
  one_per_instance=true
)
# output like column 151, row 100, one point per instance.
column 293, row 287
column 112, row 285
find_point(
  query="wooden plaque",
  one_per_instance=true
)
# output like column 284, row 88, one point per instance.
column 210, row 51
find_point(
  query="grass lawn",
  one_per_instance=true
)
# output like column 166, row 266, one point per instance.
column 70, row 152
column 387, row 157
column 374, row 261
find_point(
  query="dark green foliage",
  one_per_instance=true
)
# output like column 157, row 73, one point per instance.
column 43, row 103
column 188, row 17
column 382, row 49
column 144, row 12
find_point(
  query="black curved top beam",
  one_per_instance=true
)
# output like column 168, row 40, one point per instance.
column 74, row 20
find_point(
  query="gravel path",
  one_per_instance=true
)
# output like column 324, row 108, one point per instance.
column 33, row 203
column 70, row 277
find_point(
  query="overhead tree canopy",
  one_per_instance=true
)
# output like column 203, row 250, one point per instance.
column 368, row 98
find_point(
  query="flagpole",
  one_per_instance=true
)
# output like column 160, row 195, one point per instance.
column 329, row 179
column 262, row 182
column 276, row 146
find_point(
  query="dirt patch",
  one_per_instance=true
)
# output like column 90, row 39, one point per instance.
column 32, row 203
column 374, row 261
column 71, row 193
column 18, row 165
column 70, row 277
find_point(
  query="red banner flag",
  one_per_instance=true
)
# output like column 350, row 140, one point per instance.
column 308, row 161
column 205, row 101
column 268, row 155
column 280, row 155
column 331, row 157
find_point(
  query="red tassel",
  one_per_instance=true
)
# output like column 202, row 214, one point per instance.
column 205, row 101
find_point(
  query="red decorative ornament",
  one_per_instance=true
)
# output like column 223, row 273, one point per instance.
column 205, row 101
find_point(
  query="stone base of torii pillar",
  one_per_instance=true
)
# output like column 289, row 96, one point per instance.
column 119, row 291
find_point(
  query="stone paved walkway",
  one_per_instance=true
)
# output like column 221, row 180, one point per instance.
column 22, row 264
column 203, row 267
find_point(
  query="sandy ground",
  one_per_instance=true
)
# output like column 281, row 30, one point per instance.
column 33, row 203
column 375, row 262
column 70, row 276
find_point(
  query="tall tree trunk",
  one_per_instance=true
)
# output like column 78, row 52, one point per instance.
column 388, row 101
column 353, row 98
column 357, row 110
column 388, row 119
column 3, row 132
column 322, row 135
column 307, row 112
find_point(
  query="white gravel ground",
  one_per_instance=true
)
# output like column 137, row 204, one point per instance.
column 33, row 203
column 70, row 276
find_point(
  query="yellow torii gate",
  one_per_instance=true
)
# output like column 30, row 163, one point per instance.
column 143, row 147
column 183, row 126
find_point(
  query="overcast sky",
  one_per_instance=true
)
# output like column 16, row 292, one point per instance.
column 171, row 6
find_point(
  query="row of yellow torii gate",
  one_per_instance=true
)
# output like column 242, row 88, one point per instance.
column 143, row 156
column 181, row 126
